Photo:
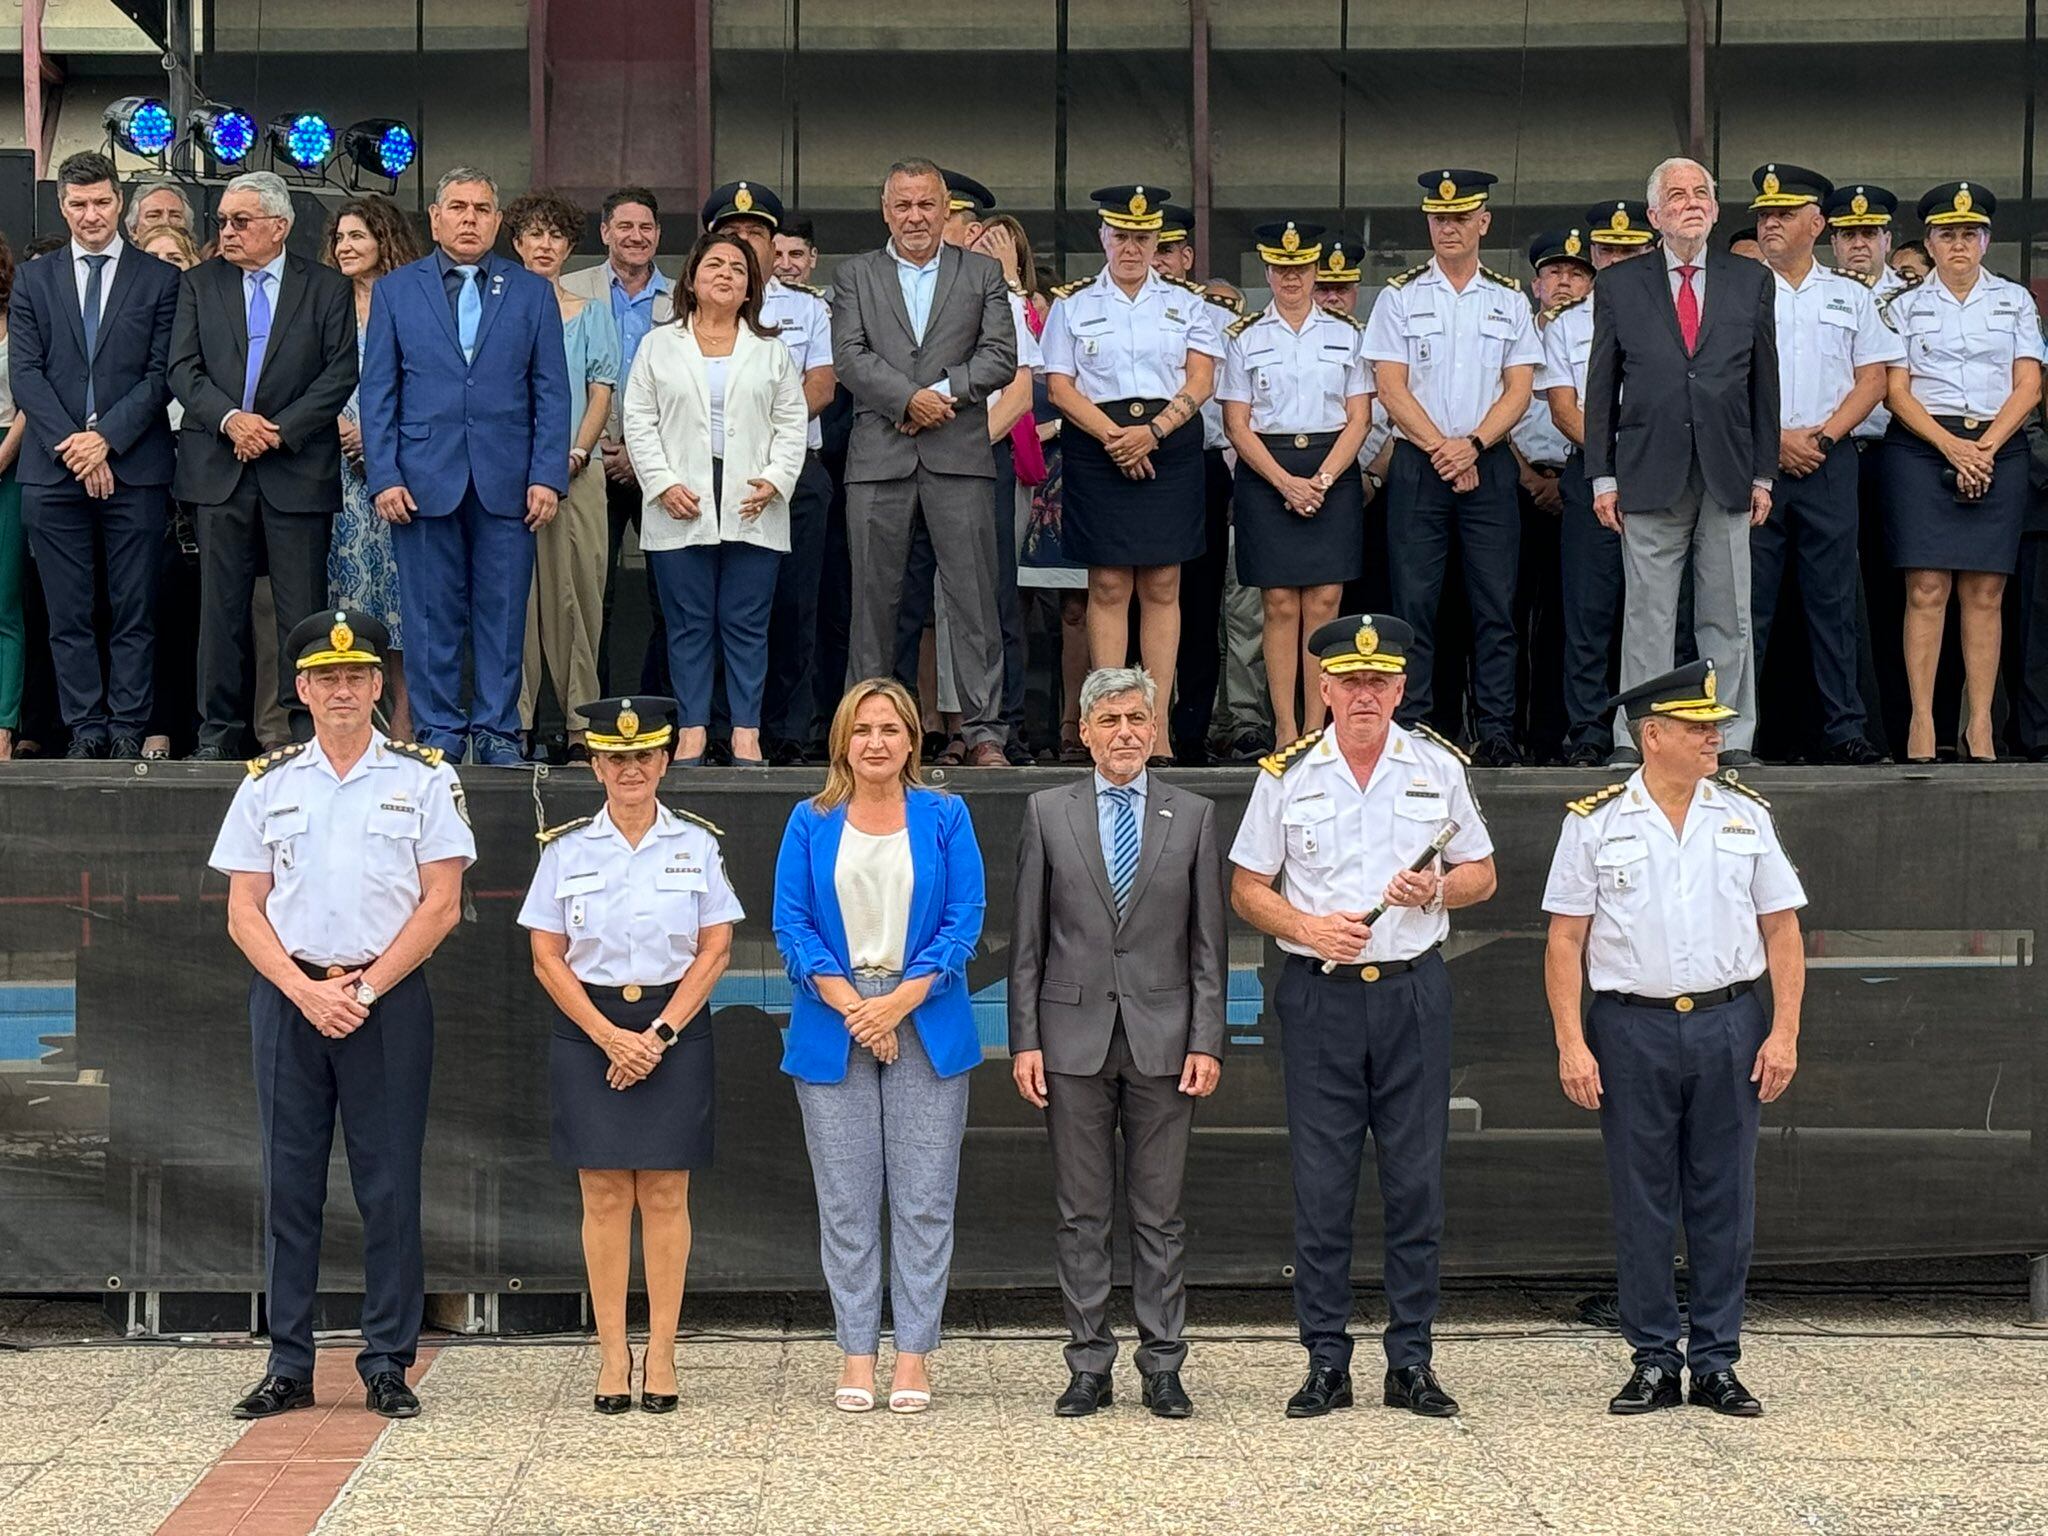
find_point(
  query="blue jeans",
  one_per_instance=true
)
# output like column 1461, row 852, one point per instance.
column 717, row 596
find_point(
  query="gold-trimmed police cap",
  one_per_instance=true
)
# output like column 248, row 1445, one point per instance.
column 337, row 637
column 1622, row 221
column 966, row 195
column 1454, row 191
column 1289, row 243
column 743, row 200
column 1779, row 185
column 1559, row 245
column 1136, row 207
column 1363, row 642
column 1175, row 223
column 1687, row 693
column 1337, row 265
column 1862, row 205
column 1958, row 202
column 639, row 723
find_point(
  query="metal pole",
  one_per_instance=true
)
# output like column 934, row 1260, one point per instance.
column 1198, row 28
column 178, row 59
column 1696, row 79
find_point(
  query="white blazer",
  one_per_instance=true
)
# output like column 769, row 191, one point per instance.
column 668, row 436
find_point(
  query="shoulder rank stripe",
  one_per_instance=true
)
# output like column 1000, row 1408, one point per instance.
column 709, row 826
column 1729, row 779
column 1277, row 763
column 1502, row 278
column 1337, row 314
column 431, row 756
column 1560, row 307
column 1068, row 290
column 1599, row 797
column 259, row 766
column 1409, row 276
column 1867, row 280
column 1244, row 323
column 544, row 838
column 1449, row 746
column 816, row 293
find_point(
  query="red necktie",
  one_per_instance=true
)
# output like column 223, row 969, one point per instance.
column 1688, row 309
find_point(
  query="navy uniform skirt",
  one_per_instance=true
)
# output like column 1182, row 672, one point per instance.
column 1278, row 548
column 1928, row 529
column 661, row 1122
column 1108, row 520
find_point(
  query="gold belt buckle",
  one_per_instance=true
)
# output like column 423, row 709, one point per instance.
column 1301, row 439
column 1137, row 408
column 1970, row 423
column 1368, row 973
column 1683, row 1004
column 631, row 992
column 334, row 971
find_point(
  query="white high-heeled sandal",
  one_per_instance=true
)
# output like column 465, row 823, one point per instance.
column 909, row 1400
column 853, row 1399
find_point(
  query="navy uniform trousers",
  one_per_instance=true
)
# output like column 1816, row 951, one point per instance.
column 1198, row 664
column 1679, row 1118
column 1359, row 1057
column 1814, row 519
column 1422, row 512
column 790, row 709
column 377, row 1077
column 1590, row 580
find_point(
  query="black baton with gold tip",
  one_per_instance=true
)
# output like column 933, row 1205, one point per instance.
column 1423, row 860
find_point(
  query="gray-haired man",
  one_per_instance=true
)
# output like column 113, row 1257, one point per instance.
column 159, row 204
column 1117, row 969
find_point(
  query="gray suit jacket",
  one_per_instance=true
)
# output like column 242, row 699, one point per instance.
column 1073, row 966
column 594, row 283
column 969, row 341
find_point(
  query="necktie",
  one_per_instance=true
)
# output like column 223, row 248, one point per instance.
column 469, row 313
column 259, row 336
column 95, row 267
column 1688, row 309
column 1123, row 845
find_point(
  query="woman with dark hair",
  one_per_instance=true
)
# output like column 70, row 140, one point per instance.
column 13, row 548
column 565, row 608
column 716, row 388
column 367, row 238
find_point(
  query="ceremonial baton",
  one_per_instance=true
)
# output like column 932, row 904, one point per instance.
column 1423, row 859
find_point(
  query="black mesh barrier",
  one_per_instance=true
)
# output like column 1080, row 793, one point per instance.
column 128, row 1152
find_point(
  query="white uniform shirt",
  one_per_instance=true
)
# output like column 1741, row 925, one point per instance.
column 343, row 854
column 1455, row 344
column 632, row 915
column 1567, row 351
column 1960, row 352
column 1672, row 914
column 805, row 321
column 1377, row 435
column 1536, row 434
column 1888, row 286
column 1296, row 381
column 1129, row 347
column 1336, row 846
column 1828, row 327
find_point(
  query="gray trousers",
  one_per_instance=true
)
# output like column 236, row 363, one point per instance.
column 1083, row 1116
column 880, row 518
column 1654, row 548
column 886, row 1133
column 1246, row 703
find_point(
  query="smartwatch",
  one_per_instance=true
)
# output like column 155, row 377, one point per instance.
column 1827, row 444
column 1477, row 445
column 665, row 1032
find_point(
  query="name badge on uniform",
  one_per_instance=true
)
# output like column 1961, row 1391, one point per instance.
column 1172, row 313
column 576, row 912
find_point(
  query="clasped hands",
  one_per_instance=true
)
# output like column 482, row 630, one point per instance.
column 330, row 1006
column 633, row 1053
column 928, row 408
column 872, row 1021
column 1130, row 450
column 252, row 435
column 1973, row 466
column 1456, row 460
column 85, row 455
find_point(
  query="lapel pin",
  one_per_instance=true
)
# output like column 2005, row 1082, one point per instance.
column 1167, row 814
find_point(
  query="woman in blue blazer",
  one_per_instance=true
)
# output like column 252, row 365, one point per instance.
column 878, row 905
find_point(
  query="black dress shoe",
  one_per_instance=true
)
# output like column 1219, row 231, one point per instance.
column 1496, row 752
column 1585, row 755
column 1326, row 1388
column 1019, row 754
column 658, row 1402
column 86, row 747
column 1649, row 1388
column 1735, row 757
column 208, row 754
column 1856, row 752
column 276, row 1394
column 786, row 754
column 1628, row 757
column 386, row 1393
column 1086, row 1392
column 1416, row 1388
column 1162, row 1393
column 126, row 749
column 1720, row 1391
column 611, row 1402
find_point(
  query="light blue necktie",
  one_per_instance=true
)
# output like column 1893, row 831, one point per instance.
column 469, row 313
column 96, row 267
column 1123, row 845
column 259, row 337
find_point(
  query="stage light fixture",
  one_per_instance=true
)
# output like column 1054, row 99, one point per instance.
column 382, row 146
column 142, row 125
column 303, row 140
column 228, row 134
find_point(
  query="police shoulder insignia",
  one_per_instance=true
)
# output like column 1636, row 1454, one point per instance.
column 1245, row 322
column 1337, row 314
column 1277, row 763
column 259, row 766
column 1560, row 307
column 709, row 826
column 431, row 756
column 1404, row 278
column 1586, row 805
column 1448, row 745
column 544, row 838
column 1867, row 279
column 1502, row 278
column 1729, row 779
column 1068, row 290
column 816, row 293
column 1884, row 309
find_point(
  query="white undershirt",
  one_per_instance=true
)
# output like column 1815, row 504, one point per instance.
column 716, row 367
column 873, row 879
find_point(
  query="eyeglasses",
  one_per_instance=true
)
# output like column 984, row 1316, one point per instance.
column 241, row 221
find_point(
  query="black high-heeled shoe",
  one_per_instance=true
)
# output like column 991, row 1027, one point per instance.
column 615, row 1402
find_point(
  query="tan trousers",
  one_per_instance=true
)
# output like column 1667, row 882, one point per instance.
column 565, row 609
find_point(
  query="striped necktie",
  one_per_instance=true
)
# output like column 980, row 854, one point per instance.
column 1123, row 845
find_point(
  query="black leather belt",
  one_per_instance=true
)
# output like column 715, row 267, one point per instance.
column 1299, row 439
column 1376, row 970
column 1686, row 1002
column 1962, row 423
column 329, row 972
column 631, row 992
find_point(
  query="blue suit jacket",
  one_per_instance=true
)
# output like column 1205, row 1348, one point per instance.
column 436, row 424
column 46, row 364
column 945, row 926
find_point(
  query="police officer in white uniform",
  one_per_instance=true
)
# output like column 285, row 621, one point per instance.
column 1833, row 351
column 1454, row 349
column 1671, row 894
column 1346, row 818
column 789, row 705
column 344, row 857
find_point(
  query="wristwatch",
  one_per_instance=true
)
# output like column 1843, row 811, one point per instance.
column 665, row 1032
column 1477, row 445
column 365, row 993
column 1827, row 444
column 1324, row 480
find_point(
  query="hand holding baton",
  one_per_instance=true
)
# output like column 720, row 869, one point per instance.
column 1423, row 860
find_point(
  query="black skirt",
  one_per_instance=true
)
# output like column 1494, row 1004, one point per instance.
column 661, row 1122
column 1276, row 547
column 1111, row 521
column 1927, row 529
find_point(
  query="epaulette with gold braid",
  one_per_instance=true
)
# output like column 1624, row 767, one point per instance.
column 544, row 838
column 1728, row 778
column 1599, row 797
column 1277, row 763
column 259, row 766
column 1502, row 278
column 816, row 293
column 1337, row 314
column 1244, row 323
column 1443, row 741
column 1068, row 290
column 1560, row 307
column 1404, row 278
column 431, row 756
column 709, row 826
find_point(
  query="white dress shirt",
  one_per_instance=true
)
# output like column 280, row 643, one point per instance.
column 1960, row 352
column 1828, row 327
column 1119, row 346
column 1457, row 343
column 1567, row 351
column 81, row 272
column 919, row 283
column 805, row 321
column 1296, row 380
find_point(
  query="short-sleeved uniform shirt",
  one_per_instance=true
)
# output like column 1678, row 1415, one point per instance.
column 1118, row 346
column 1672, row 913
column 1960, row 352
column 1456, row 344
column 805, row 321
column 343, row 853
column 631, row 914
column 1295, row 381
column 1828, row 327
column 1567, row 350
column 1336, row 844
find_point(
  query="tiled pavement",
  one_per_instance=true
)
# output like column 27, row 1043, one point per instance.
column 1884, row 1419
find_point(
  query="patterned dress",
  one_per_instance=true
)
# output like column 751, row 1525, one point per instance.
column 361, row 570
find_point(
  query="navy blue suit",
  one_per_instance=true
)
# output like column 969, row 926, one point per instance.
column 49, row 370
column 465, row 437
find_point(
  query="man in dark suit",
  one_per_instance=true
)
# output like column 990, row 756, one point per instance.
column 922, row 338
column 89, row 329
column 465, row 406
column 263, row 357
column 1118, row 970
column 1682, row 439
